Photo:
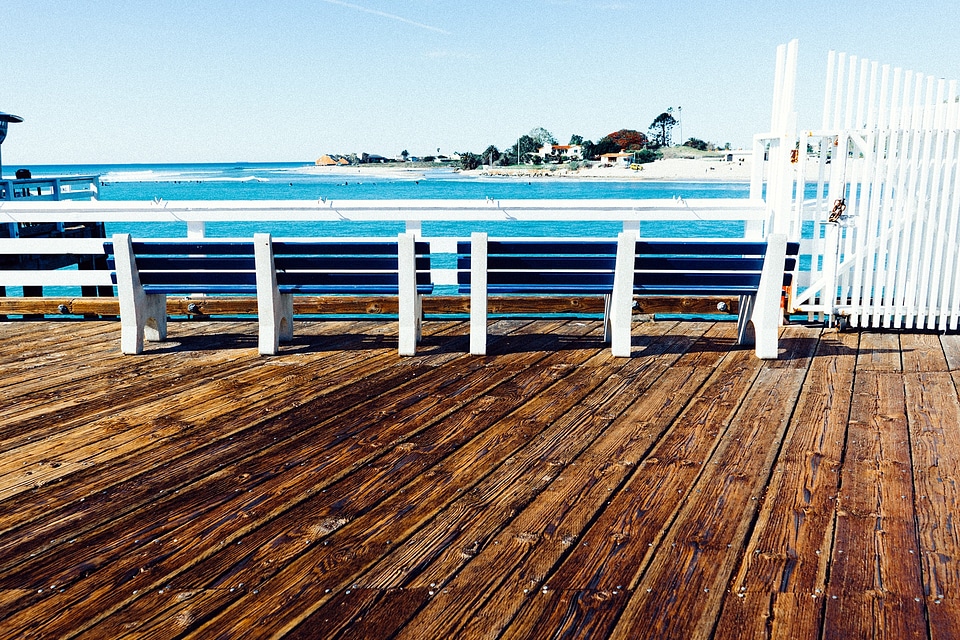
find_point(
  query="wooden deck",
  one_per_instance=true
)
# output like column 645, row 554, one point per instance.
column 546, row 490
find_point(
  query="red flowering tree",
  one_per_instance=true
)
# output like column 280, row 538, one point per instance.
column 628, row 139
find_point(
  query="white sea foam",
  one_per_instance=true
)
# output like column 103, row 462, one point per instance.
column 151, row 175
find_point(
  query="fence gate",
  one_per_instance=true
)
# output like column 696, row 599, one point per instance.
column 873, row 195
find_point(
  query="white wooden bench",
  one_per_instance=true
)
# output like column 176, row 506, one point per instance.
column 146, row 271
column 754, row 271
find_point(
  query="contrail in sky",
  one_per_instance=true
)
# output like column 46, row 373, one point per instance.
column 387, row 15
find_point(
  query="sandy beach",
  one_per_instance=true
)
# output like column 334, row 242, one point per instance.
column 667, row 169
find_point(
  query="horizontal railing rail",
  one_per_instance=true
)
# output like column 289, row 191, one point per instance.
column 412, row 214
column 50, row 189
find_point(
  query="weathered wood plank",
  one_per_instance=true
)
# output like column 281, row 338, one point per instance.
column 534, row 541
column 228, row 477
column 302, row 488
column 681, row 592
column 460, row 476
column 875, row 562
column 781, row 580
column 438, row 495
column 933, row 414
column 39, row 461
column 616, row 549
column 922, row 352
column 222, row 305
column 879, row 351
column 951, row 350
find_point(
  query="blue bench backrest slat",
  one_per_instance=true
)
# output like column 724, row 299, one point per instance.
column 346, row 248
column 193, row 263
column 552, row 263
column 677, row 278
column 698, row 263
column 192, row 248
column 701, row 248
column 337, row 263
column 546, row 266
column 557, row 247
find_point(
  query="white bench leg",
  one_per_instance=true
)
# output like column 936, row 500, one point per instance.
column 142, row 315
column 745, row 333
column 410, row 304
column 621, row 303
column 607, row 302
column 478, row 294
column 274, row 311
column 766, row 315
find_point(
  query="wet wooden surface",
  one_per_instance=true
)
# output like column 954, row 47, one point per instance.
column 545, row 490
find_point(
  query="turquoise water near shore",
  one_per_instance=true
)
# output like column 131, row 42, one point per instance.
column 302, row 181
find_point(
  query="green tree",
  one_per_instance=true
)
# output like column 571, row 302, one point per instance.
column 404, row 154
column 524, row 147
column 696, row 143
column 575, row 140
column 588, row 149
column 470, row 161
column 541, row 136
column 605, row 145
column 644, row 156
column 491, row 155
column 660, row 129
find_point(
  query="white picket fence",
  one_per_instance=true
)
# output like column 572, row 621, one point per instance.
column 880, row 231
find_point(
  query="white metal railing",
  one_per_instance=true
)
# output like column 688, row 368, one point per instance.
column 64, row 188
column 884, row 241
column 412, row 214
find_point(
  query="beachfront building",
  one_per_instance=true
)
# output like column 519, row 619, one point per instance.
column 561, row 152
column 621, row 159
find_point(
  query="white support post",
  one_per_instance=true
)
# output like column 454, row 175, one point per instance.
column 478, row 294
column 621, row 305
column 410, row 303
column 196, row 229
column 766, row 310
column 142, row 315
column 274, row 311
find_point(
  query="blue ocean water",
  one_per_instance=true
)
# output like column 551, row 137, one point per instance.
column 302, row 181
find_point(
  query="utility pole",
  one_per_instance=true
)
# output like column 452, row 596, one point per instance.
column 680, row 123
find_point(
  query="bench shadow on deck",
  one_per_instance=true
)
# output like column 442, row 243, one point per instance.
column 545, row 490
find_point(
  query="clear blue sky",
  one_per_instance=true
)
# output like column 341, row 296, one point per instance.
column 288, row 80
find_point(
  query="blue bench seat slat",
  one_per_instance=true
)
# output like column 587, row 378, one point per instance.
column 188, row 278
column 334, row 278
column 692, row 291
column 185, row 290
column 349, row 290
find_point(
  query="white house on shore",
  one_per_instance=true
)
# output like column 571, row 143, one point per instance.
column 621, row 159
column 561, row 152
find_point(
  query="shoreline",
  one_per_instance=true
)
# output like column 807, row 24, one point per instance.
column 664, row 170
